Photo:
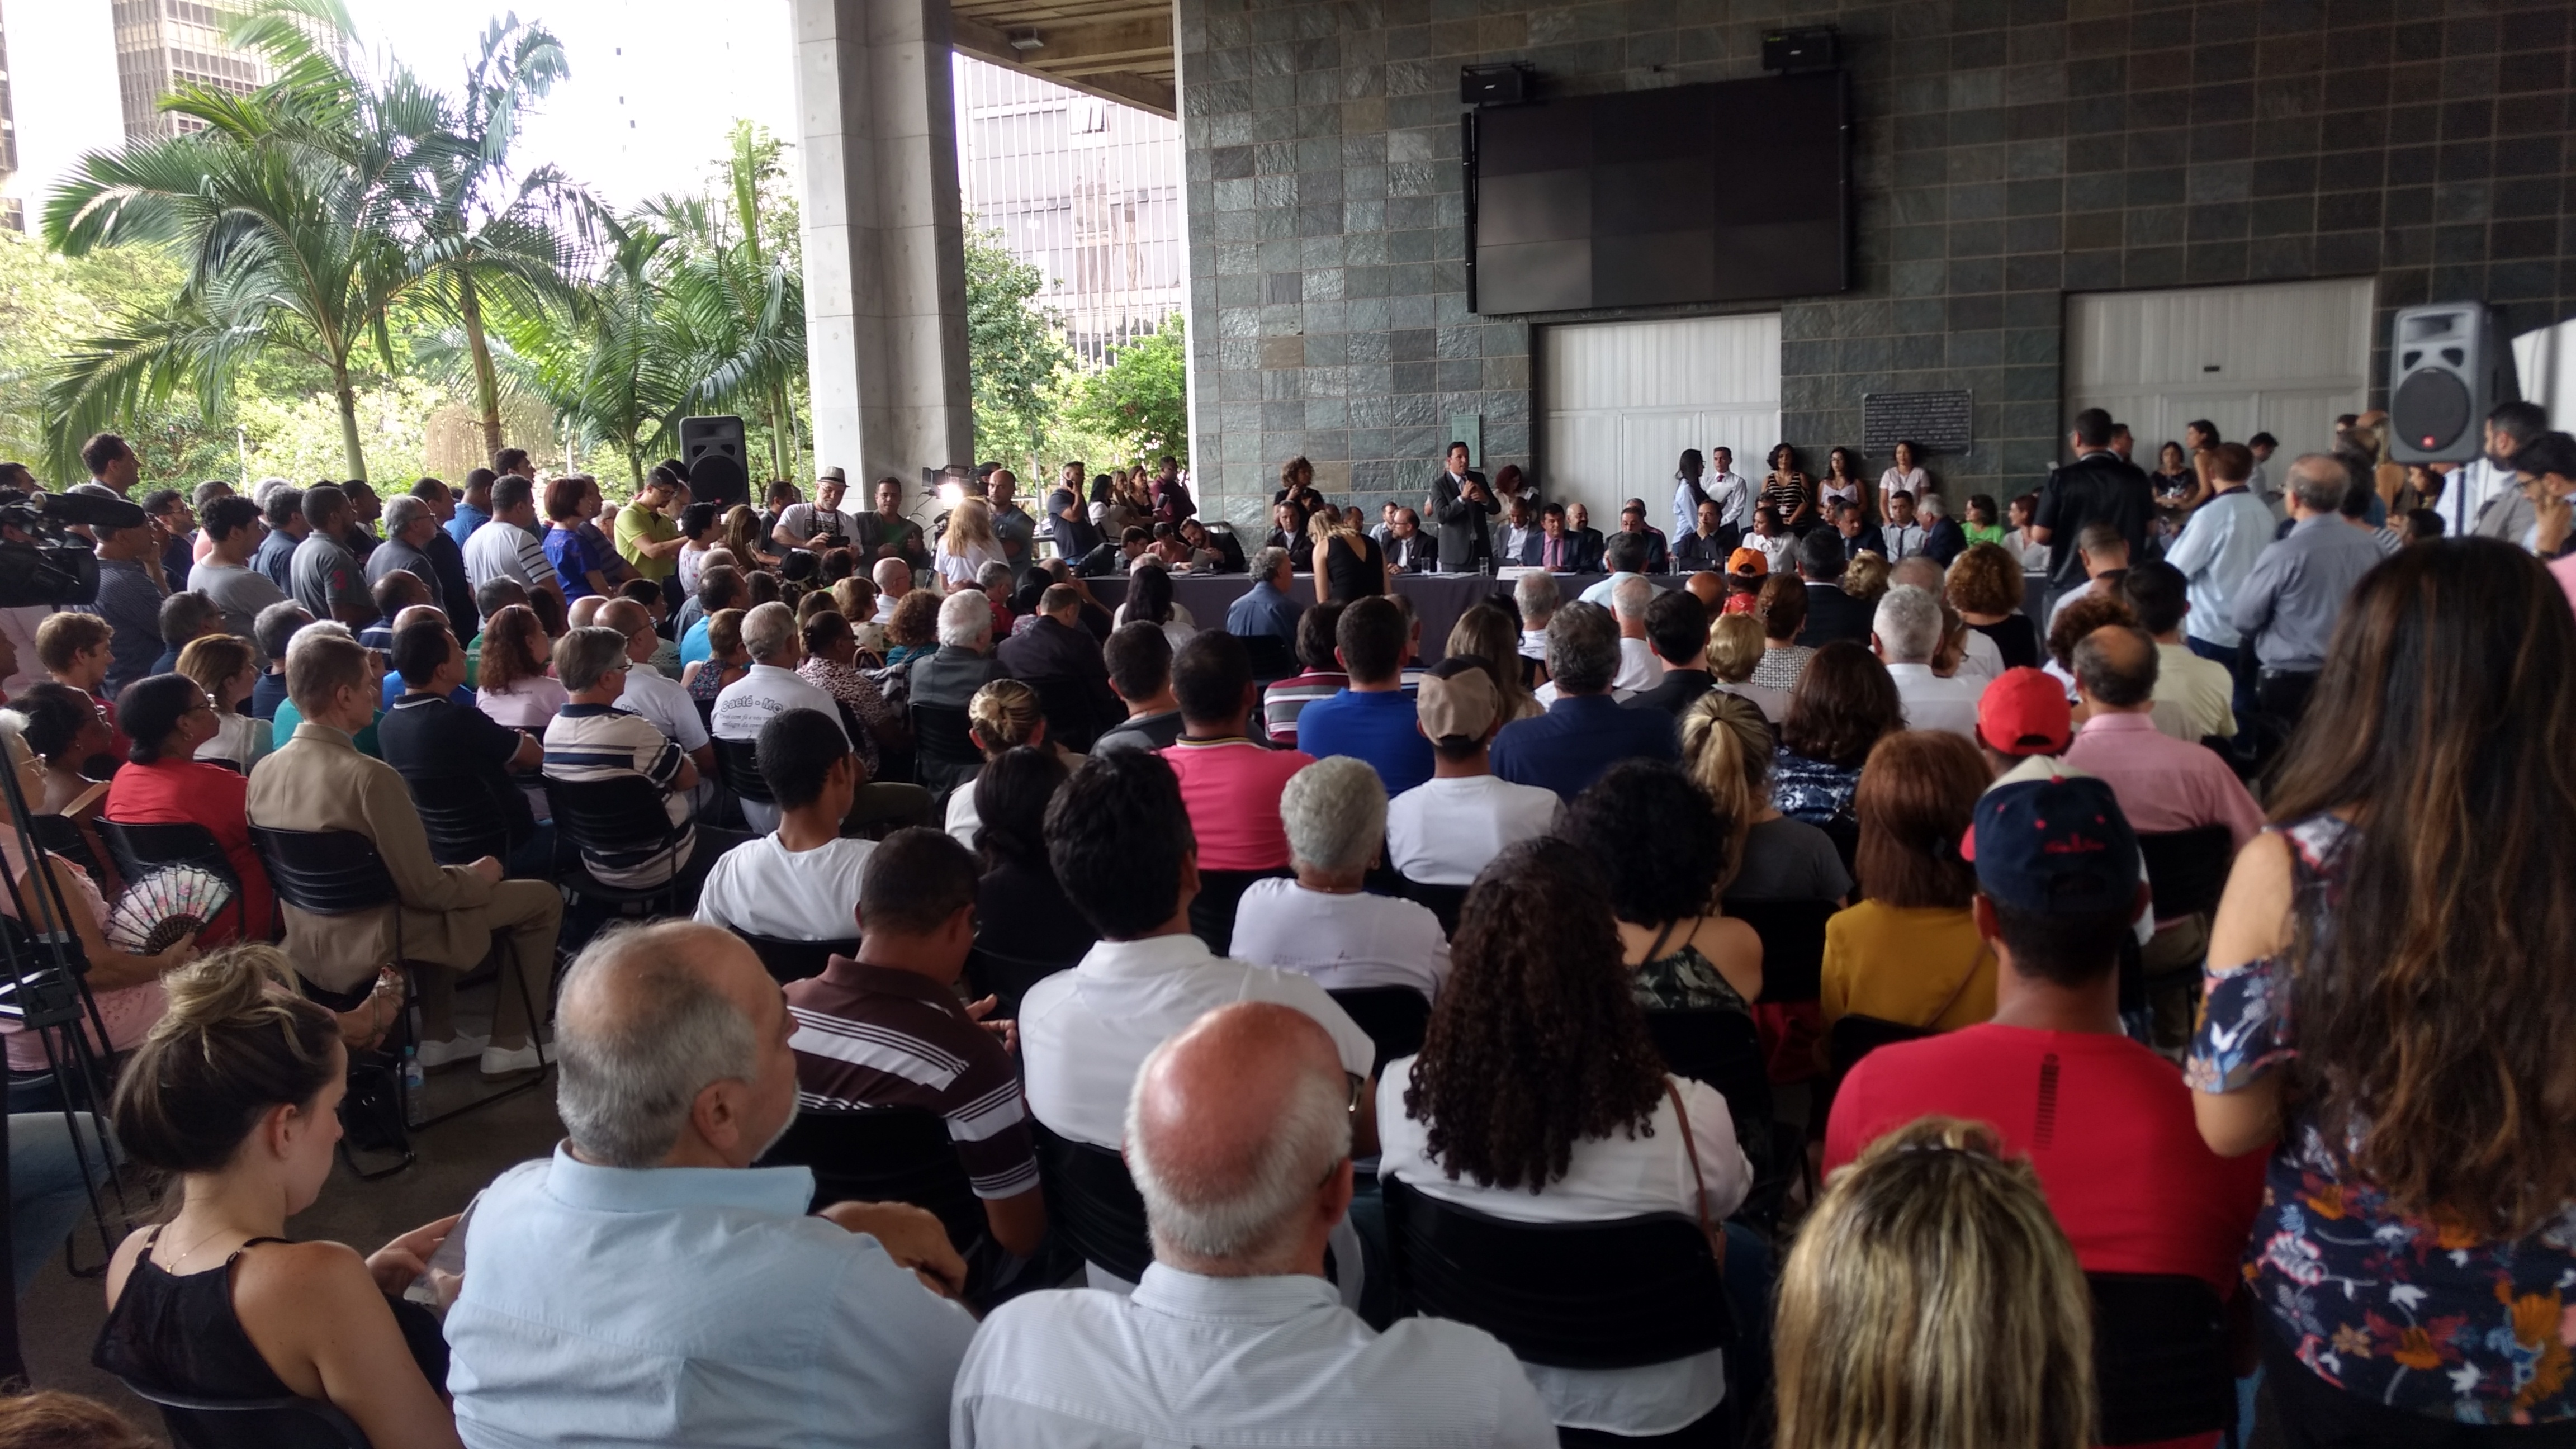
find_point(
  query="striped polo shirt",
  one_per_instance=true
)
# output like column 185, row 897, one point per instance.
column 597, row 742
column 876, row 1036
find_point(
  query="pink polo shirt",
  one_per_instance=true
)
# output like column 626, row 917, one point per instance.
column 2162, row 783
column 1231, row 787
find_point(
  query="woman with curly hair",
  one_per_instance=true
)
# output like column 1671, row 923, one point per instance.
column 1845, row 703
column 1932, row 1302
column 967, row 544
column 1910, row 952
column 1539, row 1097
column 1865, row 578
column 912, row 630
column 2389, row 1011
column 1985, row 586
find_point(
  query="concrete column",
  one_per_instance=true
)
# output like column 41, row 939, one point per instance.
column 885, row 261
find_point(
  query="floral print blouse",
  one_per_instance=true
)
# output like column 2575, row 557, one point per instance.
column 2419, row 1315
column 1810, row 790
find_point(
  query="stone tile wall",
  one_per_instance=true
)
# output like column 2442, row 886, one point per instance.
column 2005, row 152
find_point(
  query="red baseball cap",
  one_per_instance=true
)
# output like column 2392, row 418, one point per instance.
column 2024, row 712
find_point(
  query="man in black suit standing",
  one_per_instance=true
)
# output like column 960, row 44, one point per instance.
column 1460, row 505
column 1578, row 523
column 2098, row 487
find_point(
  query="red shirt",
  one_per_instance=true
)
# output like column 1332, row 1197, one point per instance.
column 175, row 792
column 1232, row 787
column 2122, row 1162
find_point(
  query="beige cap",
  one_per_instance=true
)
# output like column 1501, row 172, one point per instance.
column 834, row 475
column 1464, row 704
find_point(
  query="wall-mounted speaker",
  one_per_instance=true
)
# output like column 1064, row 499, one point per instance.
column 2447, row 368
column 719, row 470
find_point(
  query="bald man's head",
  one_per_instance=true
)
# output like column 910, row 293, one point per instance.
column 654, row 1022
column 1709, row 589
column 1235, row 1129
column 632, row 621
column 1916, row 572
column 419, row 614
column 2115, row 666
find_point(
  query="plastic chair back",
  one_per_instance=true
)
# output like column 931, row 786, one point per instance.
column 944, row 753
column 1395, row 1017
column 787, row 961
column 2161, row 1363
column 1072, row 717
column 287, row 1423
column 604, row 817
column 1444, row 901
column 884, row 1154
column 326, row 872
column 1605, row 1295
column 60, row 835
column 1853, row 1037
column 1793, row 945
column 2187, row 869
column 1090, row 1197
column 1272, row 657
column 739, row 761
column 464, row 823
column 1724, row 1049
column 1008, row 977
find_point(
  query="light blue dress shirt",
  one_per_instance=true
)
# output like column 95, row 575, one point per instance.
column 1197, row 1360
column 2217, row 549
column 610, row 1306
column 2298, row 588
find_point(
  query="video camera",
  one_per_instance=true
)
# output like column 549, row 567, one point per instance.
column 44, row 563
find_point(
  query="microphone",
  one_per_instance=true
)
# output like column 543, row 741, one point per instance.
column 90, row 509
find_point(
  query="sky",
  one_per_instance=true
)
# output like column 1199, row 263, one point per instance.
column 655, row 84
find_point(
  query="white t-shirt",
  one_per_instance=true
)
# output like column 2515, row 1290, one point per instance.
column 1934, row 703
column 1607, row 1178
column 666, row 704
column 506, row 551
column 1344, row 942
column 963, row 824
column 1442, row 832
column 765, row 889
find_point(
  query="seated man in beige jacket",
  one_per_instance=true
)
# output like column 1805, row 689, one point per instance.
column 448, row 913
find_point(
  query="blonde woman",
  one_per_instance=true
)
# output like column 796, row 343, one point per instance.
column 1735, row 650
column 1932, row 1302
column 226, row 670
column 1727, row 747
column 1487, row 633
column 1865, row 577
column 1002, row 716
column 742, row 539
column 1348, row 563
column 967, row 544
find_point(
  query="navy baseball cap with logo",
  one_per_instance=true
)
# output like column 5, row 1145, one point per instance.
column 2058, row 846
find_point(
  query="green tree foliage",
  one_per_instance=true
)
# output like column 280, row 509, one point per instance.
column 1015, row 352
column 1140, row 401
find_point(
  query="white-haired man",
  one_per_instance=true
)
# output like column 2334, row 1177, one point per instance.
column 1539, row 599
column 1322, row 922
column 1239, row 1138
column 1639, row 669
column 1905, row 635
column 647, row 1285
column 949, row 676
column 768, row 689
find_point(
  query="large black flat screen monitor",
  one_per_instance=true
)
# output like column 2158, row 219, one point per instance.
column 1705, row 193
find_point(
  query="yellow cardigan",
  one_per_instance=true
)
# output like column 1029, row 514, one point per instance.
column 1900, row 965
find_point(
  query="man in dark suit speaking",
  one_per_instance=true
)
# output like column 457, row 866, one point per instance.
column 1459, row 506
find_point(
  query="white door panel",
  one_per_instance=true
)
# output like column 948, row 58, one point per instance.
column 2280, row 358
column 1619, row 401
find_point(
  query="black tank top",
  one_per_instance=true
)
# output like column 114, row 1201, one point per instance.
column 179, row 1333
column 1354, row 567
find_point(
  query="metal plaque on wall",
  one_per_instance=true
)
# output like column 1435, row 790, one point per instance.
column 1937, row 422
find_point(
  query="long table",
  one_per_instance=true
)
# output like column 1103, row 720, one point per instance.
column 1438, row 600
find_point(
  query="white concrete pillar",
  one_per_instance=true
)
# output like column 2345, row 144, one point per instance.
column 885, row 261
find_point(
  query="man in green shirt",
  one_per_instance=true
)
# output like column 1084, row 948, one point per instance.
column 886, row 533
column 646, row 535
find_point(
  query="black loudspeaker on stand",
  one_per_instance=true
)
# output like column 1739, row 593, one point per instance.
column 719, row 470
column 2447, row 369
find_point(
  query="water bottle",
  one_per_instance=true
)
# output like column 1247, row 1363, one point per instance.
column 415, row 1084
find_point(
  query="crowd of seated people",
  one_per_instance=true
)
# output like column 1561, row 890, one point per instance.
column 1991, row 1150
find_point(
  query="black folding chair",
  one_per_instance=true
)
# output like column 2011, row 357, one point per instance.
column 1793, row 945
column 288, row 1423
column 140, row 849
column 2161, row 1362
column 991, row 973
column 1606, row 1295
column 944, row 753
column 739, row 762
column 1093, row 1201
column 884, row 1154
column 60, row 835
column 2187, row 869
column 617, row 816
column 339, row 873
column 1395, row 1017
column 1272, row 657
column 464, row 823
column 1444, row 901
column 1073, row 716
column 787, row 961
column 1723, row 1049
column 1220, row 894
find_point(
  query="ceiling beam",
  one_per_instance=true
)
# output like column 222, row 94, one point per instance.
column 1107, row 60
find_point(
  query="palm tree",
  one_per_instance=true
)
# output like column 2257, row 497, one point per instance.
column 288, row 208
column 491, row 234
column 738, row 305
column 608, row 363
